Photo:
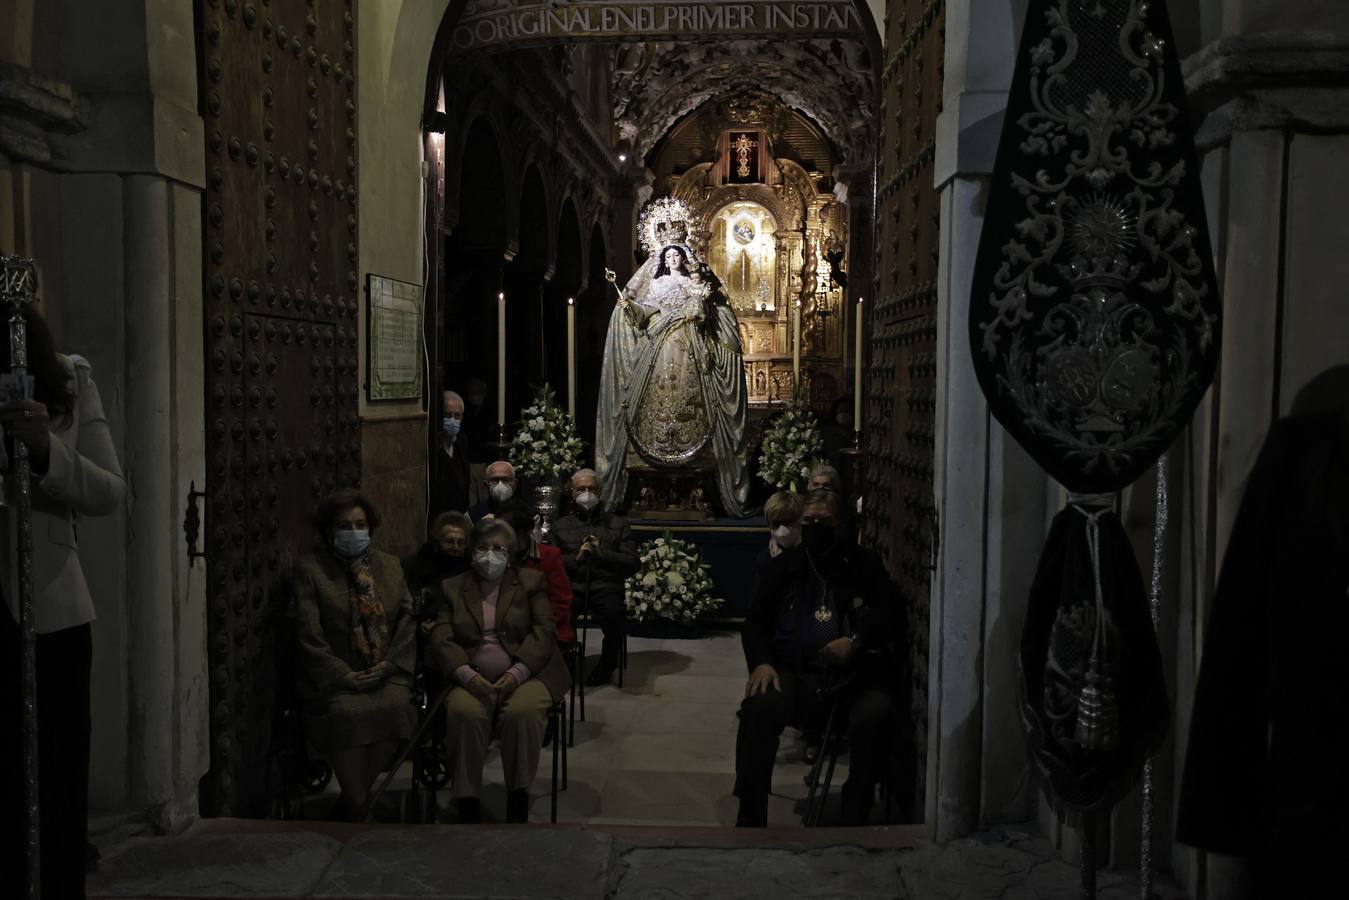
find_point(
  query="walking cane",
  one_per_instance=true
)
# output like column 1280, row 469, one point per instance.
column 581, row 661
column 19, row 287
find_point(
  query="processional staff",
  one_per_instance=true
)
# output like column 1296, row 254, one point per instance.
column 623, row 302
column 18, row 287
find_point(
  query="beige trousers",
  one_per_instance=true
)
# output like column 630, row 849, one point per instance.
column 518, row 722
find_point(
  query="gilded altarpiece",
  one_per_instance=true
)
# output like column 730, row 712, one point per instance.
column 900, row 378
column 765, row 242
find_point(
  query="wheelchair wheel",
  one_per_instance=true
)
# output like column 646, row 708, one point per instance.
column 317, row 777
column 432, row 768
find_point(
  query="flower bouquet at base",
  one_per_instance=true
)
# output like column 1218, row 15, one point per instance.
column 790, row 443
column 672, row 583
column 546, row 446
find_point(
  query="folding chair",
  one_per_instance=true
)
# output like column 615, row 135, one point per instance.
column 830, row 747
column 557, row 724
column 835, row 685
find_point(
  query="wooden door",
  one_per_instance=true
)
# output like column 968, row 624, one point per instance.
column 901, row 373
column 278, row 97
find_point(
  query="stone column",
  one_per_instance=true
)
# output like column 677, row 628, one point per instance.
column 990, row 496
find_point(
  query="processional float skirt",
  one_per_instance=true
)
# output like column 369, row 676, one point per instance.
column 1094, row 326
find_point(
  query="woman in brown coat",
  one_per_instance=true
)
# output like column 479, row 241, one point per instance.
column 496, row 638
column 355, row 637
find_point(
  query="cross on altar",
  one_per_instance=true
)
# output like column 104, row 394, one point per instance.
column 742, row 146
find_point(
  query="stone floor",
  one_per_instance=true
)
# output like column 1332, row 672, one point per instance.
column 237, row 858
column 643, row 816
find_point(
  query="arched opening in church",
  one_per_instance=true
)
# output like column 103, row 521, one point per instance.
column 674, row 267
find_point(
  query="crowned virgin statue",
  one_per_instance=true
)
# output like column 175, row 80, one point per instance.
column 673, row 384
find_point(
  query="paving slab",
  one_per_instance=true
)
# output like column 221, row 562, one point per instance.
column 677, row 872
column 1009, row 866
column 458, row 864
column 216, row 865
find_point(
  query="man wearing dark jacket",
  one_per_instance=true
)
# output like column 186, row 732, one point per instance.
column 452, row 484
column 824, row 616
column 599, row 551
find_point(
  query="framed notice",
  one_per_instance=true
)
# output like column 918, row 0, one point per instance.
column 394, row 364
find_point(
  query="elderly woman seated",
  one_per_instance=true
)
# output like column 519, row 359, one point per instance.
column 356, row 647
column 444, row 555
column 497, row 639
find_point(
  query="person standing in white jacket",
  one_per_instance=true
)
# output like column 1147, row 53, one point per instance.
column 75, row 473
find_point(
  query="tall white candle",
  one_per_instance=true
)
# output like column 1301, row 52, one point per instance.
column 501, row 360
column 796, row 349
column 857, row 372
column 571, row 357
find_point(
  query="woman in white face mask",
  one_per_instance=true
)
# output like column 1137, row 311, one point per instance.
column 496, row 639
column 783, row 514
column 355, row 639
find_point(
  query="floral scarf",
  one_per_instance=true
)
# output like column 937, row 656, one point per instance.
column 369, row 628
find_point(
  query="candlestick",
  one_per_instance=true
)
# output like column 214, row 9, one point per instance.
column 796, row 350
column 857, row 373
column 571, row 358
column 501, row 361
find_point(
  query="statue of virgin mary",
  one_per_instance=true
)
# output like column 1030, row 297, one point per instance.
column 673, row 382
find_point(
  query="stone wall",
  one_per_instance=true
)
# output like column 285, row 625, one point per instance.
column 394, row 477
column 101, row 158
column 394, row 40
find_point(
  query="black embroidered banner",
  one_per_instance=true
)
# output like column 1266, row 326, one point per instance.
column 1094, row 309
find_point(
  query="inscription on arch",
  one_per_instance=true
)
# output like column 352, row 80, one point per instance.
column 494, row 25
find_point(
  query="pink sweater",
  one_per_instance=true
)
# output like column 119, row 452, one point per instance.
column 490, row 659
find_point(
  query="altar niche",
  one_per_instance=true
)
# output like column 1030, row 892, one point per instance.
column 743, row 251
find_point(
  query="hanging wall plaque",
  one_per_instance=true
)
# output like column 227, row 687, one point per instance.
column 395, row 346
column 1094, row 330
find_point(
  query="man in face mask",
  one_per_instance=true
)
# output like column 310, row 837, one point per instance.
column 501, row 485
column 452, row 487
column 824, row 478
column 827, row 614
column 598, row 549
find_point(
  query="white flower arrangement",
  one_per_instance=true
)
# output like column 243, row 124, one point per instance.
column 672, row 583
column 546, row 445
column 790, row 443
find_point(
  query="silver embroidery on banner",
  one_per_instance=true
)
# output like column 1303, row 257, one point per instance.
column 1100, row 248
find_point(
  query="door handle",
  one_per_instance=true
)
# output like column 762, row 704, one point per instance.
column 192, row 524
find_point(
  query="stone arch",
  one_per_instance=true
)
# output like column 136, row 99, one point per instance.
column 535, row 159
column 489, row 196
column 479, row 111
column 595, row 303
column 570, row 243
column 536, row 221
